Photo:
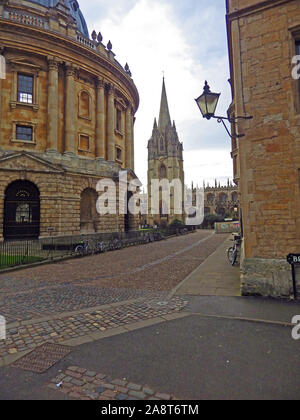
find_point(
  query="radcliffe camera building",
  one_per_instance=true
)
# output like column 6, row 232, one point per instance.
column 66, row 121
column 263, row 38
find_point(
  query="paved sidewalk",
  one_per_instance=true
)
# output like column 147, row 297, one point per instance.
column 158, row 344
column 75, row 328
column 214, row 277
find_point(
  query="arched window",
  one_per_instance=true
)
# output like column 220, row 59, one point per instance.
column 223, row 198
column 161, row 144
column 210, row 198
column 163, row 209
column 84, row 104
column 163, row 172
column 21, row 211
column 234, row 197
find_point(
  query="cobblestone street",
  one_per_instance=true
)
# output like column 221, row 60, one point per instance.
column 84, row 297
column 150, row 270
column 82, row 384
column 142, row 323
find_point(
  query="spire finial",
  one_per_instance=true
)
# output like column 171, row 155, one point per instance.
column 164, row 114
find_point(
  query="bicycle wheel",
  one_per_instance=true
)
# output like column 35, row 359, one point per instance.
column 117, row 244
column 234, row 256
column 230, row 253
column 79, row 250
column 101, row 247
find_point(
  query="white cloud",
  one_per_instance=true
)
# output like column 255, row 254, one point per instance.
column 205, row 164
column 152, row 36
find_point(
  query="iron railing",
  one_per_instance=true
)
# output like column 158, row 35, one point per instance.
column 14, row 253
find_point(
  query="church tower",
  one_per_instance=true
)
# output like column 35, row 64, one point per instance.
column 165, row 161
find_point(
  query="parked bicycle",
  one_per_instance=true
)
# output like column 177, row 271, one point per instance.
column 232, row 252
column 83, row 248
column 101, row 247
column 157, row 236
column 115, row 244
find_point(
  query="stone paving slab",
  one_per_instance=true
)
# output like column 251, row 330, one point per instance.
column 214, row 277
column 81, row 384
column 88, row 324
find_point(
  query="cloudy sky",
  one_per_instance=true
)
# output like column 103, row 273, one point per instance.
column 185, row 39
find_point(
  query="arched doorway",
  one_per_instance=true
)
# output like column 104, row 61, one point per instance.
column 21, row 211
column 128, row 216
column 88, row 212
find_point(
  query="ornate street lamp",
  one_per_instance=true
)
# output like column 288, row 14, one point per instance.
column 207, row 104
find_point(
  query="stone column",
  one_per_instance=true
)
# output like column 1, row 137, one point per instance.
column 70, row 111
column 100, row 121
column 1, row 116
column 110, row 127
column 132, row 138
column 128, row 137
column 52, row 127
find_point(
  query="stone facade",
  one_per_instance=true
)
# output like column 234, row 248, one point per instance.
column 79, row 114
column 220, row 200
column 263, row 38
column 165, row 161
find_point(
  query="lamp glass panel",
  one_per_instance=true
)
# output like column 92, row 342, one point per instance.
column 207, row 103
column 212, row 102
column 201, row 101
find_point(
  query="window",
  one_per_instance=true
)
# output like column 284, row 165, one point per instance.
column 25, row 89
column 163, row 172
column 84, row 105
column 119, row 121
column 119, row 154
column 163, row 209
column 24, row 132
column 23, row 213
column 210, row 198
column 84, row 143
column 234, row 197
column 223, row 198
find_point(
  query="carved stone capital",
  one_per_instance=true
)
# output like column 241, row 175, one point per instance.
column 130, row 109
column 70, row 70
column 53, row 65
column 110, row 89
column 100, row 83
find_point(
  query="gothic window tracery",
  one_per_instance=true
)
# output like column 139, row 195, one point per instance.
column 163, row 172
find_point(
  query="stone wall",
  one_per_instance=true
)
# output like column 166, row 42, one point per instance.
column 262, row 39
column 266, row 277
column 82, row 110
column 61, row 192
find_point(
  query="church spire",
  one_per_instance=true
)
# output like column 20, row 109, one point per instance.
column 164, row 114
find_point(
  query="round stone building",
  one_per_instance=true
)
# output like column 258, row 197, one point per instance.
column 66, row 121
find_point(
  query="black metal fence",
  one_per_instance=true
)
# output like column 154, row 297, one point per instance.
column 14, row 253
